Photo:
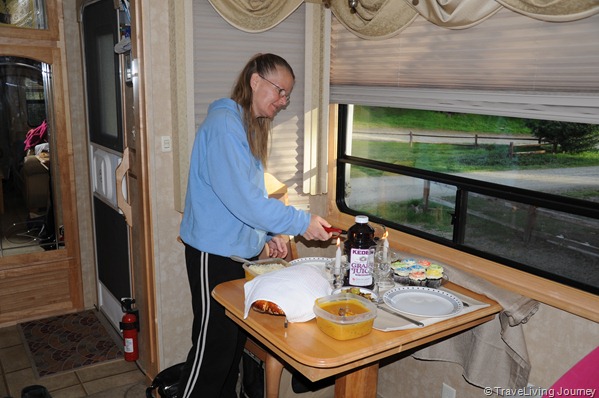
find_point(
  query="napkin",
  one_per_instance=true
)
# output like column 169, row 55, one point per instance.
column 388, row 322
column 293, row 288
column 499, row 342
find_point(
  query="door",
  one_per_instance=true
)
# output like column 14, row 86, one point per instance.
column 105, row 92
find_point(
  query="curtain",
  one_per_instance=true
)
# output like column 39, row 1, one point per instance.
column 380, row 19
column 510, row 65
column 255, row 16
column 507, row 52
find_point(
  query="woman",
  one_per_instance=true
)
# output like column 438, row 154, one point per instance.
column 227, row 212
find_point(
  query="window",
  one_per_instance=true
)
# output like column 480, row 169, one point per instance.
column 509, row 68
column 482, row 184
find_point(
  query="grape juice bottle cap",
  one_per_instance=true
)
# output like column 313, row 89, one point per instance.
column 361, row 219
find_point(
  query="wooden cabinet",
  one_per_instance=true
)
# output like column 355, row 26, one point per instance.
column 47, row 281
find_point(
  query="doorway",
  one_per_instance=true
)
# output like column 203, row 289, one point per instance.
column 102, row 30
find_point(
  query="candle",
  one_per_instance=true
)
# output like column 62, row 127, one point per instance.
column 385, row 246
column 338, row 258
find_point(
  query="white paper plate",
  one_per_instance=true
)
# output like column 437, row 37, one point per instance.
column 422, row 301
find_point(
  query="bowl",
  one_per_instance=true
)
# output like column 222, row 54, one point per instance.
column 261, row 267
column 344, row 316
column 360, row 291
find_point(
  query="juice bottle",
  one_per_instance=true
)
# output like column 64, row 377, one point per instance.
column 360, row 237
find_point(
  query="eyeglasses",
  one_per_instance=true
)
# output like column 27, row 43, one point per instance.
column 282, row 92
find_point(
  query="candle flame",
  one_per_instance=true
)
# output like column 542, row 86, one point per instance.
column 385, row 234
column 338, row 242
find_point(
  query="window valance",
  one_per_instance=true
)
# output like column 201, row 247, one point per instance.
column 255, row 15
column 380, row 19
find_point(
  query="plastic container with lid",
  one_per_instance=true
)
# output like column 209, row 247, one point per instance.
column 344, row 316
column 255, row 268
column 360, row 238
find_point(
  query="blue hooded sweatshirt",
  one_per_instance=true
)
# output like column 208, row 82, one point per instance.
column 227, row 210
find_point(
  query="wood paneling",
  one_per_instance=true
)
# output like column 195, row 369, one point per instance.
column 34, row 291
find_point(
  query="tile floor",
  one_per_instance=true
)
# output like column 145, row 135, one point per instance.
column 110, row 380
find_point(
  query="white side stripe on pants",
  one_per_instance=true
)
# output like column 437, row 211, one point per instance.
column 201, row 342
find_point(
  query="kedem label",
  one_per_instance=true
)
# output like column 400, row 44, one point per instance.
column 359, row 271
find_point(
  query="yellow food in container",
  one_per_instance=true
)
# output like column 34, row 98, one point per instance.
column 344, row 316
column 260, row 267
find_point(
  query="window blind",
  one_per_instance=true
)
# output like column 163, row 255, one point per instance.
column 221, row 51
column 508, row 64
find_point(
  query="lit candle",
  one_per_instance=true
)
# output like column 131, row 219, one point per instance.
column 338, row 258
column 385, row 246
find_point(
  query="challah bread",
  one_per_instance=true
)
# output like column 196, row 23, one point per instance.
column 267, row 307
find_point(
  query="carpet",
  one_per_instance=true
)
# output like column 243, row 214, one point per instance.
column 68, row 342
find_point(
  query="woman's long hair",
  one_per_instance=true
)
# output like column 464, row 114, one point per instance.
column 257, row 129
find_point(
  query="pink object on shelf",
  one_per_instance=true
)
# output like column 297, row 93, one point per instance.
column 581, row 380
column 36, row 136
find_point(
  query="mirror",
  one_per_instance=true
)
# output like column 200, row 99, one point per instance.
column 30, row 220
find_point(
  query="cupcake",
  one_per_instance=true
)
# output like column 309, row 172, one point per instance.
column 417, row 278
column 416, row 267
column 435, row 266
column 409, row 261
column 434, row 276
column 401, row 273
column 424, row 263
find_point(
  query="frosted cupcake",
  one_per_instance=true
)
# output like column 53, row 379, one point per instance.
column 416, row 267
column 424, row 263
column 435, row 266
column 401, row 273
column 409, row 261
column 417, row 278
column 434, row 276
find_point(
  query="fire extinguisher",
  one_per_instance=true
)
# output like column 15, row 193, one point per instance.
column 130, row 328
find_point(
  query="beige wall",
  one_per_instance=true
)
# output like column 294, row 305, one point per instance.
column 76, row 115
column 173, row 301
column 557, row 340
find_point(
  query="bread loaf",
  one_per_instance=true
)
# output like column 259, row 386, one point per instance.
column 267, row 307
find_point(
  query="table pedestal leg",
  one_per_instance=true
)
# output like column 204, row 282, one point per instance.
column 273, row 370
column 360, row 383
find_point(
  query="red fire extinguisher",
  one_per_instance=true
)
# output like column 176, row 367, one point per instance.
column 130, row 337
column 129, row 326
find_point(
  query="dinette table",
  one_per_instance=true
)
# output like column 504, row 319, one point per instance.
column 353, row 363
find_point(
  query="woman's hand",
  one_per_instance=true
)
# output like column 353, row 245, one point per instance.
column 277, row 247
column 316, row 231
